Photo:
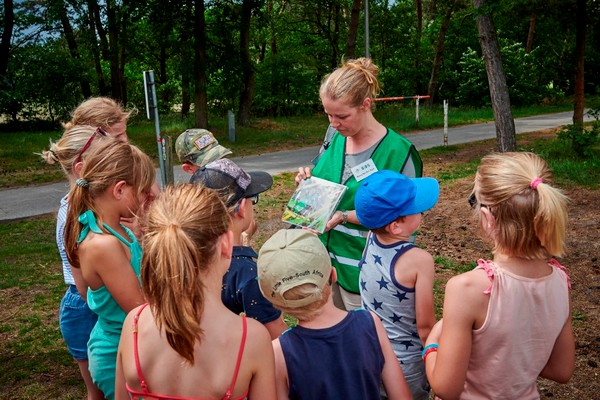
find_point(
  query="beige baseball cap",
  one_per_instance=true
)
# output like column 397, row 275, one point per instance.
column 199, row 147
column 290, row 258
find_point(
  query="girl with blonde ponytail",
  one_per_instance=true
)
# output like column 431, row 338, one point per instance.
column 508, row 321
column 185, row 343
column 114, row 182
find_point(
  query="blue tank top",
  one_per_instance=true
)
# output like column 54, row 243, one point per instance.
column 311, row 357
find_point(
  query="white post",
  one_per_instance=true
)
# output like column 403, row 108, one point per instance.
column 231, row 124
column 417, row 116
column 445, row 122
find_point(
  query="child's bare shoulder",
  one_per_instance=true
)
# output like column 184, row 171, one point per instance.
column 418, row 256
column 473, row 282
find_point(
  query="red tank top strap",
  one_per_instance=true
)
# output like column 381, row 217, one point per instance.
column 135, row 350
column 229, row 392
column 556, row 264
column 487, row 266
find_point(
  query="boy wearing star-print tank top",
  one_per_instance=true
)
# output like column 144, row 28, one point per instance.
column 396, row 277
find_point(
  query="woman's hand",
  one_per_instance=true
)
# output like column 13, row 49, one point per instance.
column 336, row 219
column 303, row 173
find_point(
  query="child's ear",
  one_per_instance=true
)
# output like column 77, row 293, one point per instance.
column 488, row 220
column 77, row 169
column 333, row 277
column 227, row 244
column 119, row 189
column 188, row 167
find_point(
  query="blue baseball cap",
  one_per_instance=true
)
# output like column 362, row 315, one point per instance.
column 386, row 195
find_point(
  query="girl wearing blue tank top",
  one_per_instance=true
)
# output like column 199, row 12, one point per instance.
column 115, row 182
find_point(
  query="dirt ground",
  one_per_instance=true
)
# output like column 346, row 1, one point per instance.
column 448, row 231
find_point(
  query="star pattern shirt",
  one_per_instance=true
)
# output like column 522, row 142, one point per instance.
column 240, row 292
column 392, row 302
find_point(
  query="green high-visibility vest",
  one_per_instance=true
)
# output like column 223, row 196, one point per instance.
column 346, row 243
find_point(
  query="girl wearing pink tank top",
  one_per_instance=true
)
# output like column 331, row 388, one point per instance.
column 185, row 344
column 508, row 321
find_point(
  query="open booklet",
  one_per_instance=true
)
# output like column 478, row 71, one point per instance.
column 313, row 203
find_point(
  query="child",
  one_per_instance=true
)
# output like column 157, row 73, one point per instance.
column 508, row 321
column 332, row 353
column 102, row 112
column 184, row 343
column 114, row 182
column 76, row 320
column 239, row 191
column 396, row 277
column 196, row 148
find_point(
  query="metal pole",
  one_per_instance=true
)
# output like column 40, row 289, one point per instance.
column 231, row 125
column 367, row 53
column 152, row 105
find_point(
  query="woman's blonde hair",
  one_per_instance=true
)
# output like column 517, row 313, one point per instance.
column 100, row 112
column 68, row 148
column 105, row 163
column 183, row 228
column 351, row 83
column 309, row 311
column 530, row 214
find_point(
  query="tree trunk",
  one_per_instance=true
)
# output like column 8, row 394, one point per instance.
column 439, row 51
column 71, row 43
column 531, row 32
column 184, row 61
column 247, row 92
column 9, row 23
column 92, row 10
column 418, row 35
column 113, row 46
column 353, row 28
column 505, row 124
column 578, row 104
column 200, row 97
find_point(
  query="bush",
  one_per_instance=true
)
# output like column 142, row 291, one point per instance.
column 582, row 137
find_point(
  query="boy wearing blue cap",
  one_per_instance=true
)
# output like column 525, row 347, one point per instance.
column 396, row 277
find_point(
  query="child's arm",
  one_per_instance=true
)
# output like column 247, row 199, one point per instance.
column 392, row 376
column 561, row 364
column 424, row 303
column 105, row 262
column 262, row 385
column 281, row 378
column 447, row 368
column 124, row 342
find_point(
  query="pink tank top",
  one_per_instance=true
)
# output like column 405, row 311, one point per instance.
column 146, row 393
column 524, row 318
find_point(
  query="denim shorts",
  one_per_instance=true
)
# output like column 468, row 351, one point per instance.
column 76, row 322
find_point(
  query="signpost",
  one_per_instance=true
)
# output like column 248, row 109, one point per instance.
column 165, row 158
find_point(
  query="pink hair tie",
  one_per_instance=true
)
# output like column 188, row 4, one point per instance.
column 534, row 183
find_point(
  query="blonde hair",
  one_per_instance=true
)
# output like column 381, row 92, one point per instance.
column 309, row 311
column 530, row 218
column 106, row 163
column 100, row 112
column 183, row 227
column 351, row 83
column 67, row 149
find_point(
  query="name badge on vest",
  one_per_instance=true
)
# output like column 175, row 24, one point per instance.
column 362, row 170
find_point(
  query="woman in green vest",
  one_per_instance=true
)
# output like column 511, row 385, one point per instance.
column 360, row 146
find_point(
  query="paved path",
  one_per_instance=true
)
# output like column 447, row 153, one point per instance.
column 36, row 200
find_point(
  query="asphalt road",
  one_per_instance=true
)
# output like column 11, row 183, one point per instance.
column 37, row 200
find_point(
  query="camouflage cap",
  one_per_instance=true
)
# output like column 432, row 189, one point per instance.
column 199, row 147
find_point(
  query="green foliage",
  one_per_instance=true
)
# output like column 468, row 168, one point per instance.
column 523, row 77
column 582, row 138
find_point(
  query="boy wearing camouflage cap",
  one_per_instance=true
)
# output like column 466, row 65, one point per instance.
column 198, row 147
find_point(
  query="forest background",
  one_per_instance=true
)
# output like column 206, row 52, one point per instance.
column 265, row 58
